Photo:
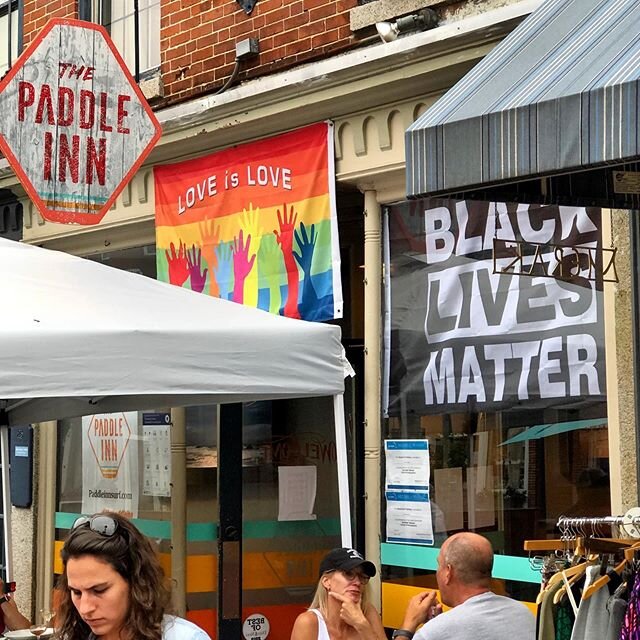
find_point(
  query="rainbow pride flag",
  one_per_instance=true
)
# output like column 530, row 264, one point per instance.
column 255, row 224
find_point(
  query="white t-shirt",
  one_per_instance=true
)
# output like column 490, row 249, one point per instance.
column 174, row 628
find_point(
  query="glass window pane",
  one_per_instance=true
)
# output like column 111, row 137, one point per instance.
column 122, row 29
column 502, row 373
column 4, row 35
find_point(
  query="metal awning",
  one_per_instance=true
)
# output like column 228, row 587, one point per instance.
column 559, row 94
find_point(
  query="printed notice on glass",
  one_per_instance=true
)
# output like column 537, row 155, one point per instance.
column 297, row 492
column 409, row 517
column 156, row 456
column 407, row 465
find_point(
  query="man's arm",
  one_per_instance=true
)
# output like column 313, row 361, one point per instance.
column 12, row 616
column 421, row 608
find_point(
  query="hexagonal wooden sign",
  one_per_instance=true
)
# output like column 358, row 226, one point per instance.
column 75, row 126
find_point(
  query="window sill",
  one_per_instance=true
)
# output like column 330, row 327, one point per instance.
column 151, row 85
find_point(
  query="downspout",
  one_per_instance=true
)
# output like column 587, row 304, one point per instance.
column 179, row 510
column 372, row 360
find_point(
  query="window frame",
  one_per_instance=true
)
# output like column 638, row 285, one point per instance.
column 100, row 12
column 12, row 7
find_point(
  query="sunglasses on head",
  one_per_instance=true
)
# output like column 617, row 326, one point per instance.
column 104, row 525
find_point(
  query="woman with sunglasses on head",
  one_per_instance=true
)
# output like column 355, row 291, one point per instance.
column 341, row 609
column 113, row 587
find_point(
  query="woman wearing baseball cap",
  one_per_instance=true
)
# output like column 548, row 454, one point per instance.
column 341, row 607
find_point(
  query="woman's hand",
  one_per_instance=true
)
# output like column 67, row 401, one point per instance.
column 350, row 611
column 369, row 626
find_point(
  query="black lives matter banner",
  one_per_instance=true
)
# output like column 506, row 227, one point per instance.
column 469, row 331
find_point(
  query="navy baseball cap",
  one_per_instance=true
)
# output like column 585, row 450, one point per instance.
column 345, row 560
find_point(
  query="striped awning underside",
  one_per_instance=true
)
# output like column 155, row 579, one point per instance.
column 559, row 94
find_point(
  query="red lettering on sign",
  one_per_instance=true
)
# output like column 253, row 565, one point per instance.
column 85, row 72
column 69, row 161
column 109, row 451
column 87, row 109
column 122, row 112
column 48, row 144
column 26, row 97
column 103, row 113
column 96, row 159
column 68, row 157
column 45, row 102
column 65, row 106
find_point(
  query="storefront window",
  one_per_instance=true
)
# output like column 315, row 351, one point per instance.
column 289, row 449
column 495, row 355
column 282, row 547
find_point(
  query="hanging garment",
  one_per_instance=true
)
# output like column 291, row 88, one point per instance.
column 592, row 620
column 631, row 624
column 565, row 619
column 617, row 608
column 546, row 629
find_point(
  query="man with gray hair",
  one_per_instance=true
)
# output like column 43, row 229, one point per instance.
column 465, row 562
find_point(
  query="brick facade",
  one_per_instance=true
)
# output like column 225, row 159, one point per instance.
column 38, row 12
column 198, row 37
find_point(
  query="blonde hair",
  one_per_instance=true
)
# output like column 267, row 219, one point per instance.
column 321, row 599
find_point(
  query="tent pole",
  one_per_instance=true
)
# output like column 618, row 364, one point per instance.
column 343, row 470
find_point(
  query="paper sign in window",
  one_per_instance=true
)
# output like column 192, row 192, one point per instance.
column 297, row 492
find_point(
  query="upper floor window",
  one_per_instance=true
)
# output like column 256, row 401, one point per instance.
column 10, row 35
column 118, row 16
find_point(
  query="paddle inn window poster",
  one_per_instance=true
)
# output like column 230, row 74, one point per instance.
column 255, row 224
column 110, row 463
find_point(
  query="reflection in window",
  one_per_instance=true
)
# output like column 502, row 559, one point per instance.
column 9, row 38
column 118, row 17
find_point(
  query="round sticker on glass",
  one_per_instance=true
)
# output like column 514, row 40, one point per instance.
column 255, row 626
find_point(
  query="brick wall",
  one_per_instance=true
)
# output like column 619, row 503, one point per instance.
column 199, row 39
column 38, row 12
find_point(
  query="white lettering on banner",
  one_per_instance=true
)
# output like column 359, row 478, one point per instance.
column 469, row 300
column 495, row 337
column 515, row 361
column 442, row 242
column 260, row 176
column 269, row 176
column 207, row 187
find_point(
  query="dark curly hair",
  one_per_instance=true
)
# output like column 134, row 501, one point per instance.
column 133, row 557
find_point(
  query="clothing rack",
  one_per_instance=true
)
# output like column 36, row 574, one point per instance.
column 628, row 524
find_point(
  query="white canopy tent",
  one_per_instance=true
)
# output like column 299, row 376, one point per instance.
column 78, row 337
